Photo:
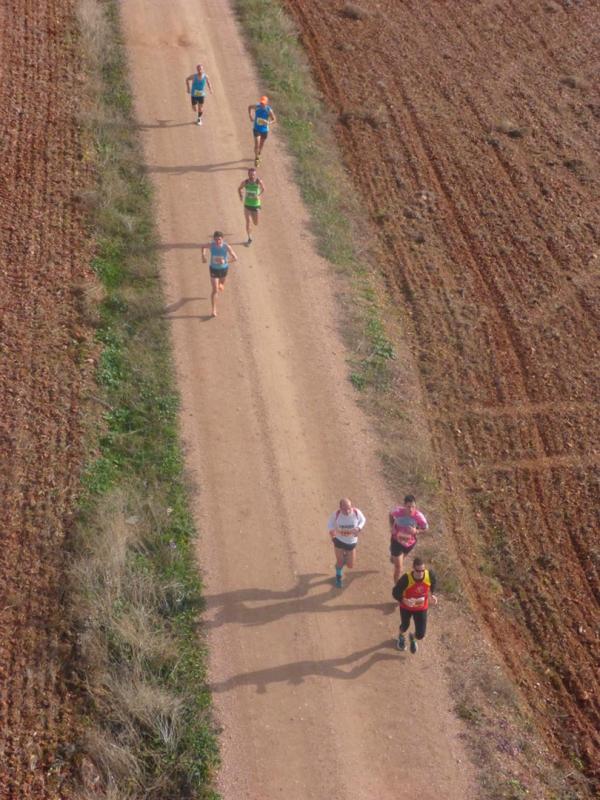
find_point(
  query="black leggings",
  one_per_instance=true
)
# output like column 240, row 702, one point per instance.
column 420, row 618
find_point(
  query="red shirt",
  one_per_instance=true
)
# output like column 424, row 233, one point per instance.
column 418, row 590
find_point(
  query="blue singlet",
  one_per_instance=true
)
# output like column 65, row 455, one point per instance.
column 198, row 86
column 217, row 252
column 261, row 118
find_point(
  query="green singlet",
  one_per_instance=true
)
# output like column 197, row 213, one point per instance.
column 252, row 197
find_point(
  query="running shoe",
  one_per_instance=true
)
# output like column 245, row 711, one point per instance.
column 413, row 643
column 249, row 240
column 338, row 581
column 200, row 121
column 401, row 643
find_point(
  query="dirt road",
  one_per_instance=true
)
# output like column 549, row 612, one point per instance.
column 313, row 699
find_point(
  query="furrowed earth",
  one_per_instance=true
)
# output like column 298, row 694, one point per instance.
column 44, row 259
column 472, row 140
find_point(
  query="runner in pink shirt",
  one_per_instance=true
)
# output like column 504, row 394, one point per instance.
column 405, row 521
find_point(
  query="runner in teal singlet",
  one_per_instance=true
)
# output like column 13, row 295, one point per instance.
column 220, row 256
column 196, row 85
column 251, row 191
column 261, row 115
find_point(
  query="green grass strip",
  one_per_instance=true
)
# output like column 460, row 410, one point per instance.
column 135, row 578
column 323, row 184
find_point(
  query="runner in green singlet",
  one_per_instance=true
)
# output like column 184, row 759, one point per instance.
column 250, row 191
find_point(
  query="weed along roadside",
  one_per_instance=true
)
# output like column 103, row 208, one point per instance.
column 136, row 589
column 334, row 209
column 502, row 735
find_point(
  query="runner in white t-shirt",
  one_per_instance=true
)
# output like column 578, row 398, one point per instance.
column 344, row 525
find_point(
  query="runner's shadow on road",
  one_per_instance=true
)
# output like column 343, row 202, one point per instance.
column 295, row 673
column 167, row 313
column 165, row 247
column 163, row 123
column 176, row 246
column 178, row 303
column 236, row 607
column 223, row 166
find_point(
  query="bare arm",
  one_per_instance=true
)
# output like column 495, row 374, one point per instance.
column 232, row 253
column 262, row 186
column 187, row 82
column 272, row 116
column 250, row 110
column 204, row 249
column 209, row 84
column 241, row 189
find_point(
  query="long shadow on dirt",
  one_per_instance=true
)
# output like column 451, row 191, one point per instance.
column 233, row 607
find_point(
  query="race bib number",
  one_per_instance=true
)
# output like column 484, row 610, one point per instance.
column 218, row 261
column 198, row 93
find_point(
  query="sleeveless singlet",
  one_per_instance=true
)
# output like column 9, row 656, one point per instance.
column 261, row 118
column 219, row 256
column 198, row 86
column 252, row 196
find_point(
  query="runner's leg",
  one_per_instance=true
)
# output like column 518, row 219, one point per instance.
column 405, row 617
column 398, row 562
column 420, row 624
column 214, row 282
column 340, row 556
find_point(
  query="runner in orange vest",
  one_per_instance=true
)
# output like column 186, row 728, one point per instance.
column 413, row 592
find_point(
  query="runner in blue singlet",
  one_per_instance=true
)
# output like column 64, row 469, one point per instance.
column 220, row 256
column 196, row 86
column 261, row 115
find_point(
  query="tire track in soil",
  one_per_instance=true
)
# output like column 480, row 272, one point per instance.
column 510, row 240
column 43, row 258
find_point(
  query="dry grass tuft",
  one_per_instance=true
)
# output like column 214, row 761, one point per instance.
column 110, row 764
column 577, row 166
column 572, row 81
column 354, row 11
column 94, row 29
column 88, row 298
column 143, row 706
column 375, row 117
column 509, row 128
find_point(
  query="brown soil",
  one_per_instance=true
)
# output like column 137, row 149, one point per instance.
column 471, row 130
column 43, row 256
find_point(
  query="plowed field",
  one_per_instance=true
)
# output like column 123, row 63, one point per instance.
column 43, row 254
column 472, row 134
